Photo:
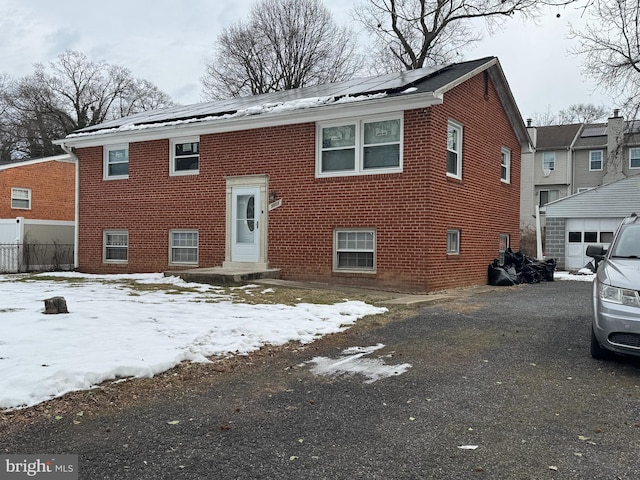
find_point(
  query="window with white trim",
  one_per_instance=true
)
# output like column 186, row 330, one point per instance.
column 634, row 157
column 595, row 160
column 355, row 250
column 453, row 242
column 454, row 149
column 115, row 246
column 21, row 198
column 547, row 196
column 549, row 161
column 503, row 243
column 116, row 162
column 360, row 146
column 185, row 156
column 505, row 166
column 183, row 246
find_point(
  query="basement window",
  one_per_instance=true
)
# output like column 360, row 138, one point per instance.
column 116, row 246
column 355, row 250
column 183, row 247
column 453, row 242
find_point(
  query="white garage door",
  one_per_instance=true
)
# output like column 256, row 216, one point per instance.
column 581, row 232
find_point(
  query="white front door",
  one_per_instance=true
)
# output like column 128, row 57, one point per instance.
column 245, row 224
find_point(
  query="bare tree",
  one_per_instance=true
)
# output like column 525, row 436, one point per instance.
column 410, row 34
column 576, row 113
column 545, row 118
column 285, row 44
column 91, row 92
column 610, row 46
column 582, row 113
column 7, row 137
column 72, row 94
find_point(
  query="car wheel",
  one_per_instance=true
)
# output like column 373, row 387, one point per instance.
column 597, row 351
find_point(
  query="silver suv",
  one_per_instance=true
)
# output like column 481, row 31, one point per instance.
column 616, row 297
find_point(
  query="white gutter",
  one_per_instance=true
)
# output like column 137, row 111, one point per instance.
column 76, row 233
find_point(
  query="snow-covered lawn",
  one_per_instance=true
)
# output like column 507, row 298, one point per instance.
column 123, row 326
column 130, row 326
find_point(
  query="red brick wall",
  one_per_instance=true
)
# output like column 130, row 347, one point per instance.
column 411, row 211
column 52, row 185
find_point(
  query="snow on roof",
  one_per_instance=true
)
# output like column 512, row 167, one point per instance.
column 269, row 107
column 425, row 85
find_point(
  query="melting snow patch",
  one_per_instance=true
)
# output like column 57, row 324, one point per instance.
column 352, row 362
column 583, row 277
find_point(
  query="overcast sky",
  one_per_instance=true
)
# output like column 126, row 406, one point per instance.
column 168, row 42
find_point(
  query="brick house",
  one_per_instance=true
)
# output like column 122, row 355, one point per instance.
column 41, row 189
column 37, row 214
column 408, row 181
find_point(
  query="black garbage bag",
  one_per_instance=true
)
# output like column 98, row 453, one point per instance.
column 518, row 268
column 517, row 259
column 498, row 276
column 549, row 266
column 531, row 274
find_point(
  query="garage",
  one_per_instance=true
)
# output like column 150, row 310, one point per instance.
column 590, row 217
column 587, row 231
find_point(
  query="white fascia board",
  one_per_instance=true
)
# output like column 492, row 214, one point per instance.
column 57, row 223
column 329, row 112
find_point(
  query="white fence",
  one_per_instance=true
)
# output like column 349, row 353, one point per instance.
column 30, row 245
column 10, row 254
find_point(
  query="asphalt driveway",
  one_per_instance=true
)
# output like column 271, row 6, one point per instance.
column 505, row 374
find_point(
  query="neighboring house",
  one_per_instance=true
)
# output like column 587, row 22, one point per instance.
column 590, row 217
column 37, row 214
column 547, row 171
column 571, row 159
column 409, row 181
column 606, row 152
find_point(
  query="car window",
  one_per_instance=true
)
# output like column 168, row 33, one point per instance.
column 628, row 242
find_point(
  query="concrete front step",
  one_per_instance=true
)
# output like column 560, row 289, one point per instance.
column 223, row 276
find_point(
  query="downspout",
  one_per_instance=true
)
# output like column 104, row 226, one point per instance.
column 76, row 233
column 571, row 167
